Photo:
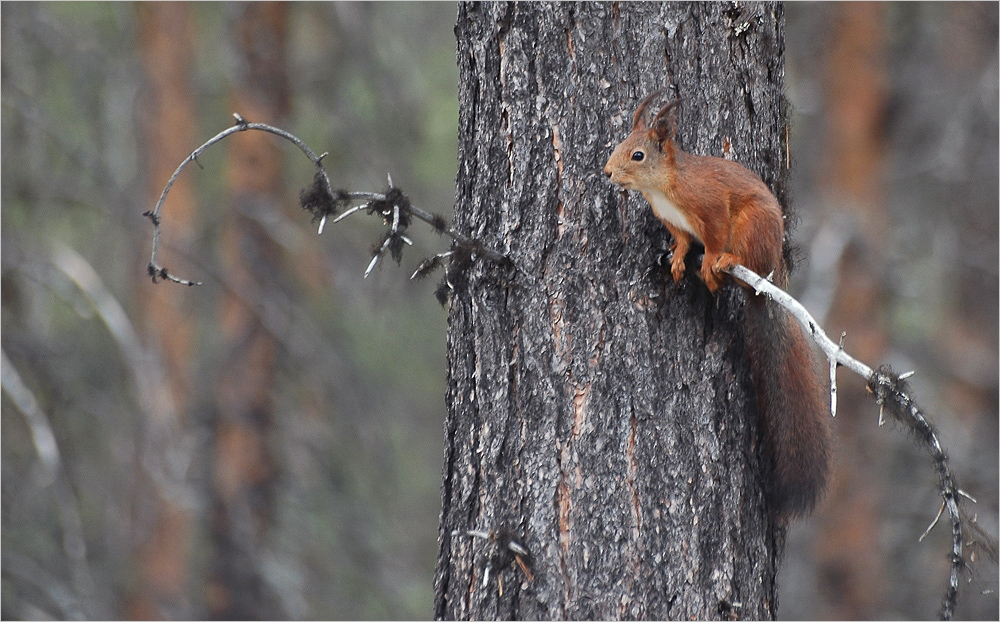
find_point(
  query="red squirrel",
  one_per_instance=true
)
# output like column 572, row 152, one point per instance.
column 730, row 211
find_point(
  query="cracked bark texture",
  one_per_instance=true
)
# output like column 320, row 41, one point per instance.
column 600, row 414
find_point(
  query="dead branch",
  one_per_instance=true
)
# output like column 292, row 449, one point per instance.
column 323, row 202
column 891, row 393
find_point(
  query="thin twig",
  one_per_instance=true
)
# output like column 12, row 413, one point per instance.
column 356, row 208
column 933, row 523
column 833, row 377
column 156, row 271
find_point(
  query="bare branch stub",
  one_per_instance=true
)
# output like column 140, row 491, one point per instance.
column 505, row 549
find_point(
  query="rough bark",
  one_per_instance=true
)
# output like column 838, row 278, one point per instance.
column 599, row 414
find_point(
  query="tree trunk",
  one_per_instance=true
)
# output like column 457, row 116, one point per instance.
column 600, row 415
column 166, row 40
column 848, row 550
column 244, row 472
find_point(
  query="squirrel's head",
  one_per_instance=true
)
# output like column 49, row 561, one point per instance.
column 646, row 155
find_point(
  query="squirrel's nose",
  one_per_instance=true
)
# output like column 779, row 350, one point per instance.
column 607, row 172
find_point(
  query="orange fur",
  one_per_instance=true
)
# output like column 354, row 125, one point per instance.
column 733, row 214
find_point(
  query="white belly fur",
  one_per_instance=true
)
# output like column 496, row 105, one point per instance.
column 665, row 209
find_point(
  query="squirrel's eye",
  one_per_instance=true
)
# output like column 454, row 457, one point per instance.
column 638, row 156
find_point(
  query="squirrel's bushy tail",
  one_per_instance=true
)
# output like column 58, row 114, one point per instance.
column 793, row 404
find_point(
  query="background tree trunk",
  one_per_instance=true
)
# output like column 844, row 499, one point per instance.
column 244, row 469
column 165, row 524
column 855, row 85
column 597, row 413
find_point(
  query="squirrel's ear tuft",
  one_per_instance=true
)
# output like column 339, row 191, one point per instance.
column 638, row 123
column 665, row 122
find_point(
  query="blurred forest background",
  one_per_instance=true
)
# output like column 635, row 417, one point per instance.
column 269, row 445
